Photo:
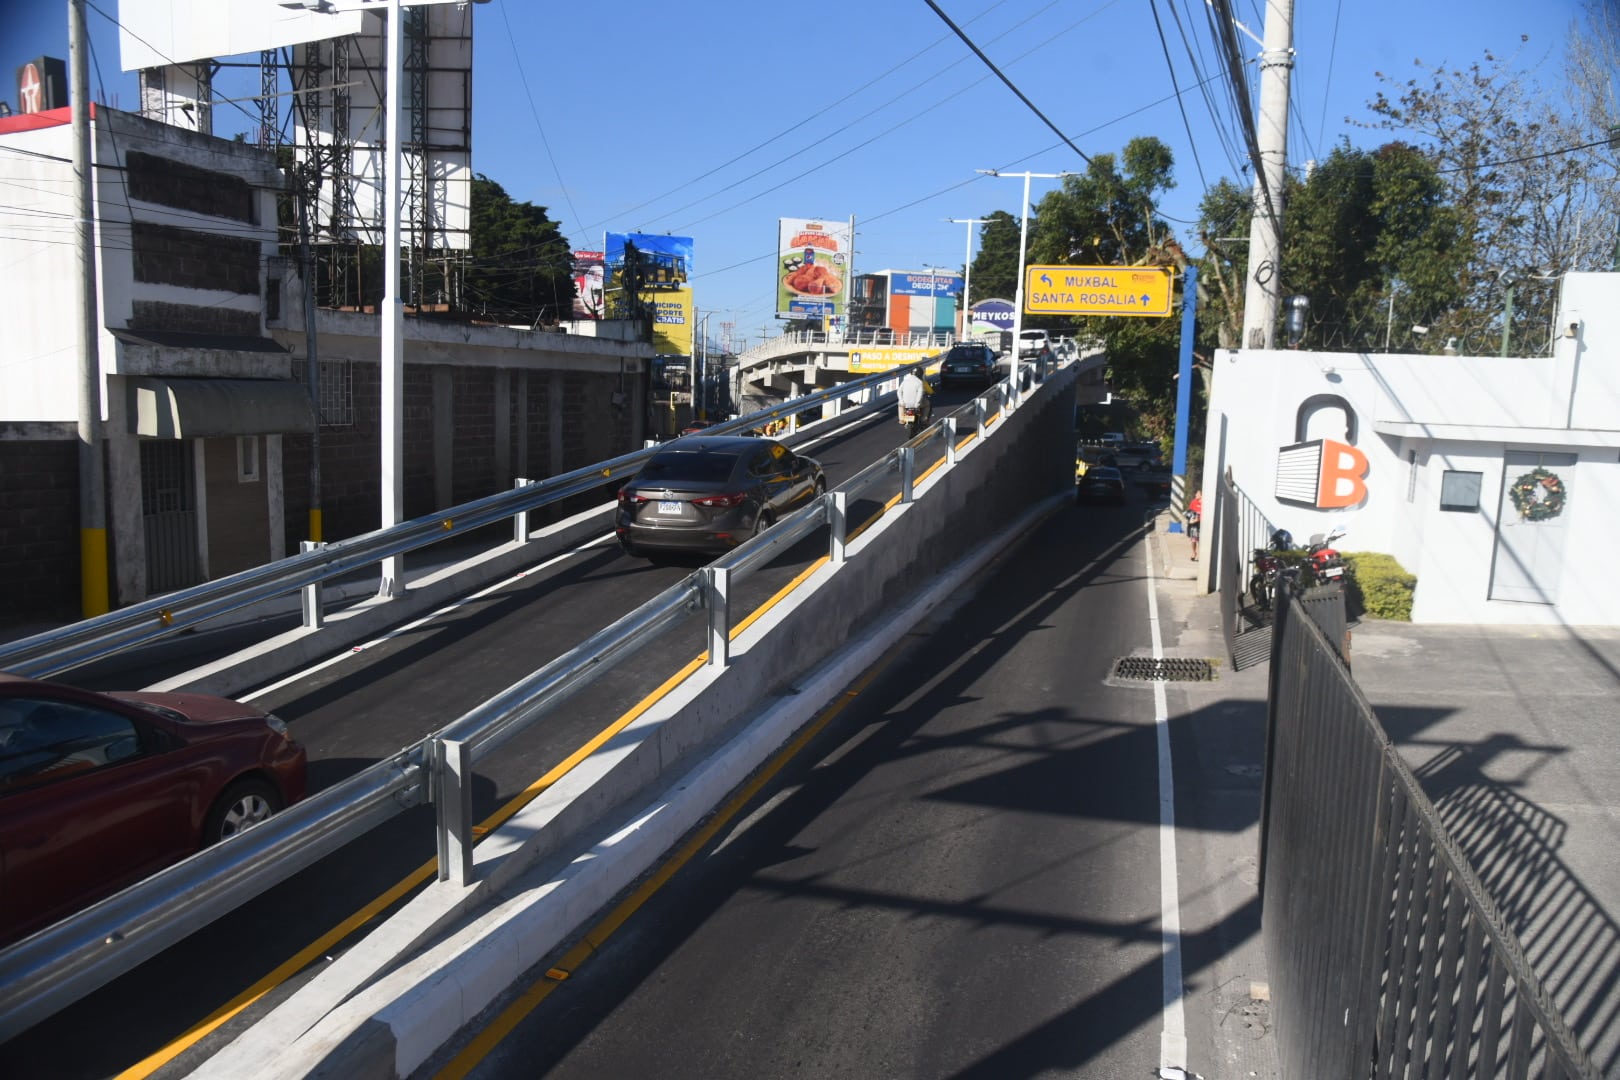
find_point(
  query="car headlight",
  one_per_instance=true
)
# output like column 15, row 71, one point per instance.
column 277, row 725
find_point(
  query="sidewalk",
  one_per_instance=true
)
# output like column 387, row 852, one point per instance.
column 1218, row 735
column 1511, row 732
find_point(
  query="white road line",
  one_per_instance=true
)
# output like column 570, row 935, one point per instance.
column 447, row 609
column 1173, row 1030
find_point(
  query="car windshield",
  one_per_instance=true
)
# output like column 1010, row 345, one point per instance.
column 1033, row 335
column 964, row 352
column 688, row 467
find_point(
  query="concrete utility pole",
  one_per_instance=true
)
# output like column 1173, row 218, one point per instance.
column 1262, row 294
column 967, row 265
column 93, row 594
column 1023, row 246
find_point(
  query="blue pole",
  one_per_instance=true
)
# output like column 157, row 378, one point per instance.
column 1178, row 474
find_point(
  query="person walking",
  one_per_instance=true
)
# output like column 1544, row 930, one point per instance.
column 1195, row 514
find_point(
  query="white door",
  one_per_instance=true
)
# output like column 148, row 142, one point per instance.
column 1529, row 558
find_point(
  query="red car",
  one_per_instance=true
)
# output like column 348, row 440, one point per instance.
column 98, row 791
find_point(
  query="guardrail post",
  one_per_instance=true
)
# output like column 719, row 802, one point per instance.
column 948, row 426
column 980, row 413
column 837, row 525
column 717, row 598
column 313, row 615
column 520, row 520
column 452, row 762
column 908, row 472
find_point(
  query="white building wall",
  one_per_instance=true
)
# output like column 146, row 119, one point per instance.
column 1419, row 416
column 39, row 254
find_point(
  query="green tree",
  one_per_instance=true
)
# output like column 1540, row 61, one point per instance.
column 519, row 267
column 1372, row 240
column 995, row 267
column 1533, row 175
column 1224, row 215
column 1108, row 216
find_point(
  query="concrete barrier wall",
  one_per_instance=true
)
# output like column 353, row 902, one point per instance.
column 384, row 1006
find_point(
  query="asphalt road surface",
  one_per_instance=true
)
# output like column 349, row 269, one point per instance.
column 959, row 877
column 362, row 708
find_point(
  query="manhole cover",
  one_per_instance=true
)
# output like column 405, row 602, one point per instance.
column 1167, row 669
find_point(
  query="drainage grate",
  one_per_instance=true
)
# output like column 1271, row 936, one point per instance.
column 1149, row 669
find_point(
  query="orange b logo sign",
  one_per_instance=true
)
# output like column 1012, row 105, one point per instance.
column 1323, row 474
column 1343, row 477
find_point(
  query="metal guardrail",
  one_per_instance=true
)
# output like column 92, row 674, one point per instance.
column 55, row 967
column 80, row 643
column 1387, row 958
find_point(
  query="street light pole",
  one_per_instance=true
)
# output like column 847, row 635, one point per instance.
column 393, row 313
column 1023, row 246
column 967, row 265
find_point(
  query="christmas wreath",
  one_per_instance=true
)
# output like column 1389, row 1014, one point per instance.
column 1538, row 495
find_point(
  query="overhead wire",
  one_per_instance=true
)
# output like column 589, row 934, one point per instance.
column 1192, row 143
column 535, row 112
column 1009, row 83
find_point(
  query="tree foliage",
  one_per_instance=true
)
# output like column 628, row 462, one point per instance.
column 995, row 267
column 520, row 267
column 1372, row 240
column 1532, row 175
column 1108, row 216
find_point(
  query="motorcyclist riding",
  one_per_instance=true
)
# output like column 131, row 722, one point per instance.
column 914, row 394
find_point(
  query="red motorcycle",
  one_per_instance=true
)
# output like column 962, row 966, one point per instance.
column 1327, row 565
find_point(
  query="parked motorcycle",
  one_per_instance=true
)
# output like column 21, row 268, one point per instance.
column 1327, row 565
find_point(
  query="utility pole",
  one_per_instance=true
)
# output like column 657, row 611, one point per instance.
column 309, row 179
column 93, row 592
column 1023, row 246
column 1262, row 293
column 967, row 265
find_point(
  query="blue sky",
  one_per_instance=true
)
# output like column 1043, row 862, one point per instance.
column 713, row 119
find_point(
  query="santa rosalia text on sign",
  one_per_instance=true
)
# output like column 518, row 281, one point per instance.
column 1097, row 290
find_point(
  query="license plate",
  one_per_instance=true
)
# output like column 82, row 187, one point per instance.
column 667, row 506
column 1333, row 571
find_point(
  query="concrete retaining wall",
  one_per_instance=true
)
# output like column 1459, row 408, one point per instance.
column 384, row 1006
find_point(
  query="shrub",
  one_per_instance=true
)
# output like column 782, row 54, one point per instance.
column 1379, row 586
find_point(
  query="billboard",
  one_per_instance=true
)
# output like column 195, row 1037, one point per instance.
column 158, row 33
column 345, row 120
column 659, row 269
column 589, row 284
column 991, row 317
column 939, row 284
column 812, row 268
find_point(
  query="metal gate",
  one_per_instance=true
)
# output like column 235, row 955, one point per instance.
column 169, row 512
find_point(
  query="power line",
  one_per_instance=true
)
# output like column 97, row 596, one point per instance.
column 1191, row 142
column 1021, row 96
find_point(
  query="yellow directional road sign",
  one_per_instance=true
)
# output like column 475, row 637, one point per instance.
column 1097, row 290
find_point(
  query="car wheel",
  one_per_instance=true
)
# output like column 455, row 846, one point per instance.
column 761, row 523
column 244, row 804
column 629, row 549
column 821, row 489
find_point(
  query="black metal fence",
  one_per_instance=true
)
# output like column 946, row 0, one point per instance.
column 1240, row 527
column 1386, row 957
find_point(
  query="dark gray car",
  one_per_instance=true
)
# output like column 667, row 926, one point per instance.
column 711, row 493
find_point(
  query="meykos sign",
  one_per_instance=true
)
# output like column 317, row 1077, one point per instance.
column 1323, row 474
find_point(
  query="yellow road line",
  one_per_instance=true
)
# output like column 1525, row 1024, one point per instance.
column 310, row 953
column 503, row 1025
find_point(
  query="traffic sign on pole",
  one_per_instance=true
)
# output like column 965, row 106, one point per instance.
column 1097, row 290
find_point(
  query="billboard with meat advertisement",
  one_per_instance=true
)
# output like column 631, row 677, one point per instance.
column 812, row 267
